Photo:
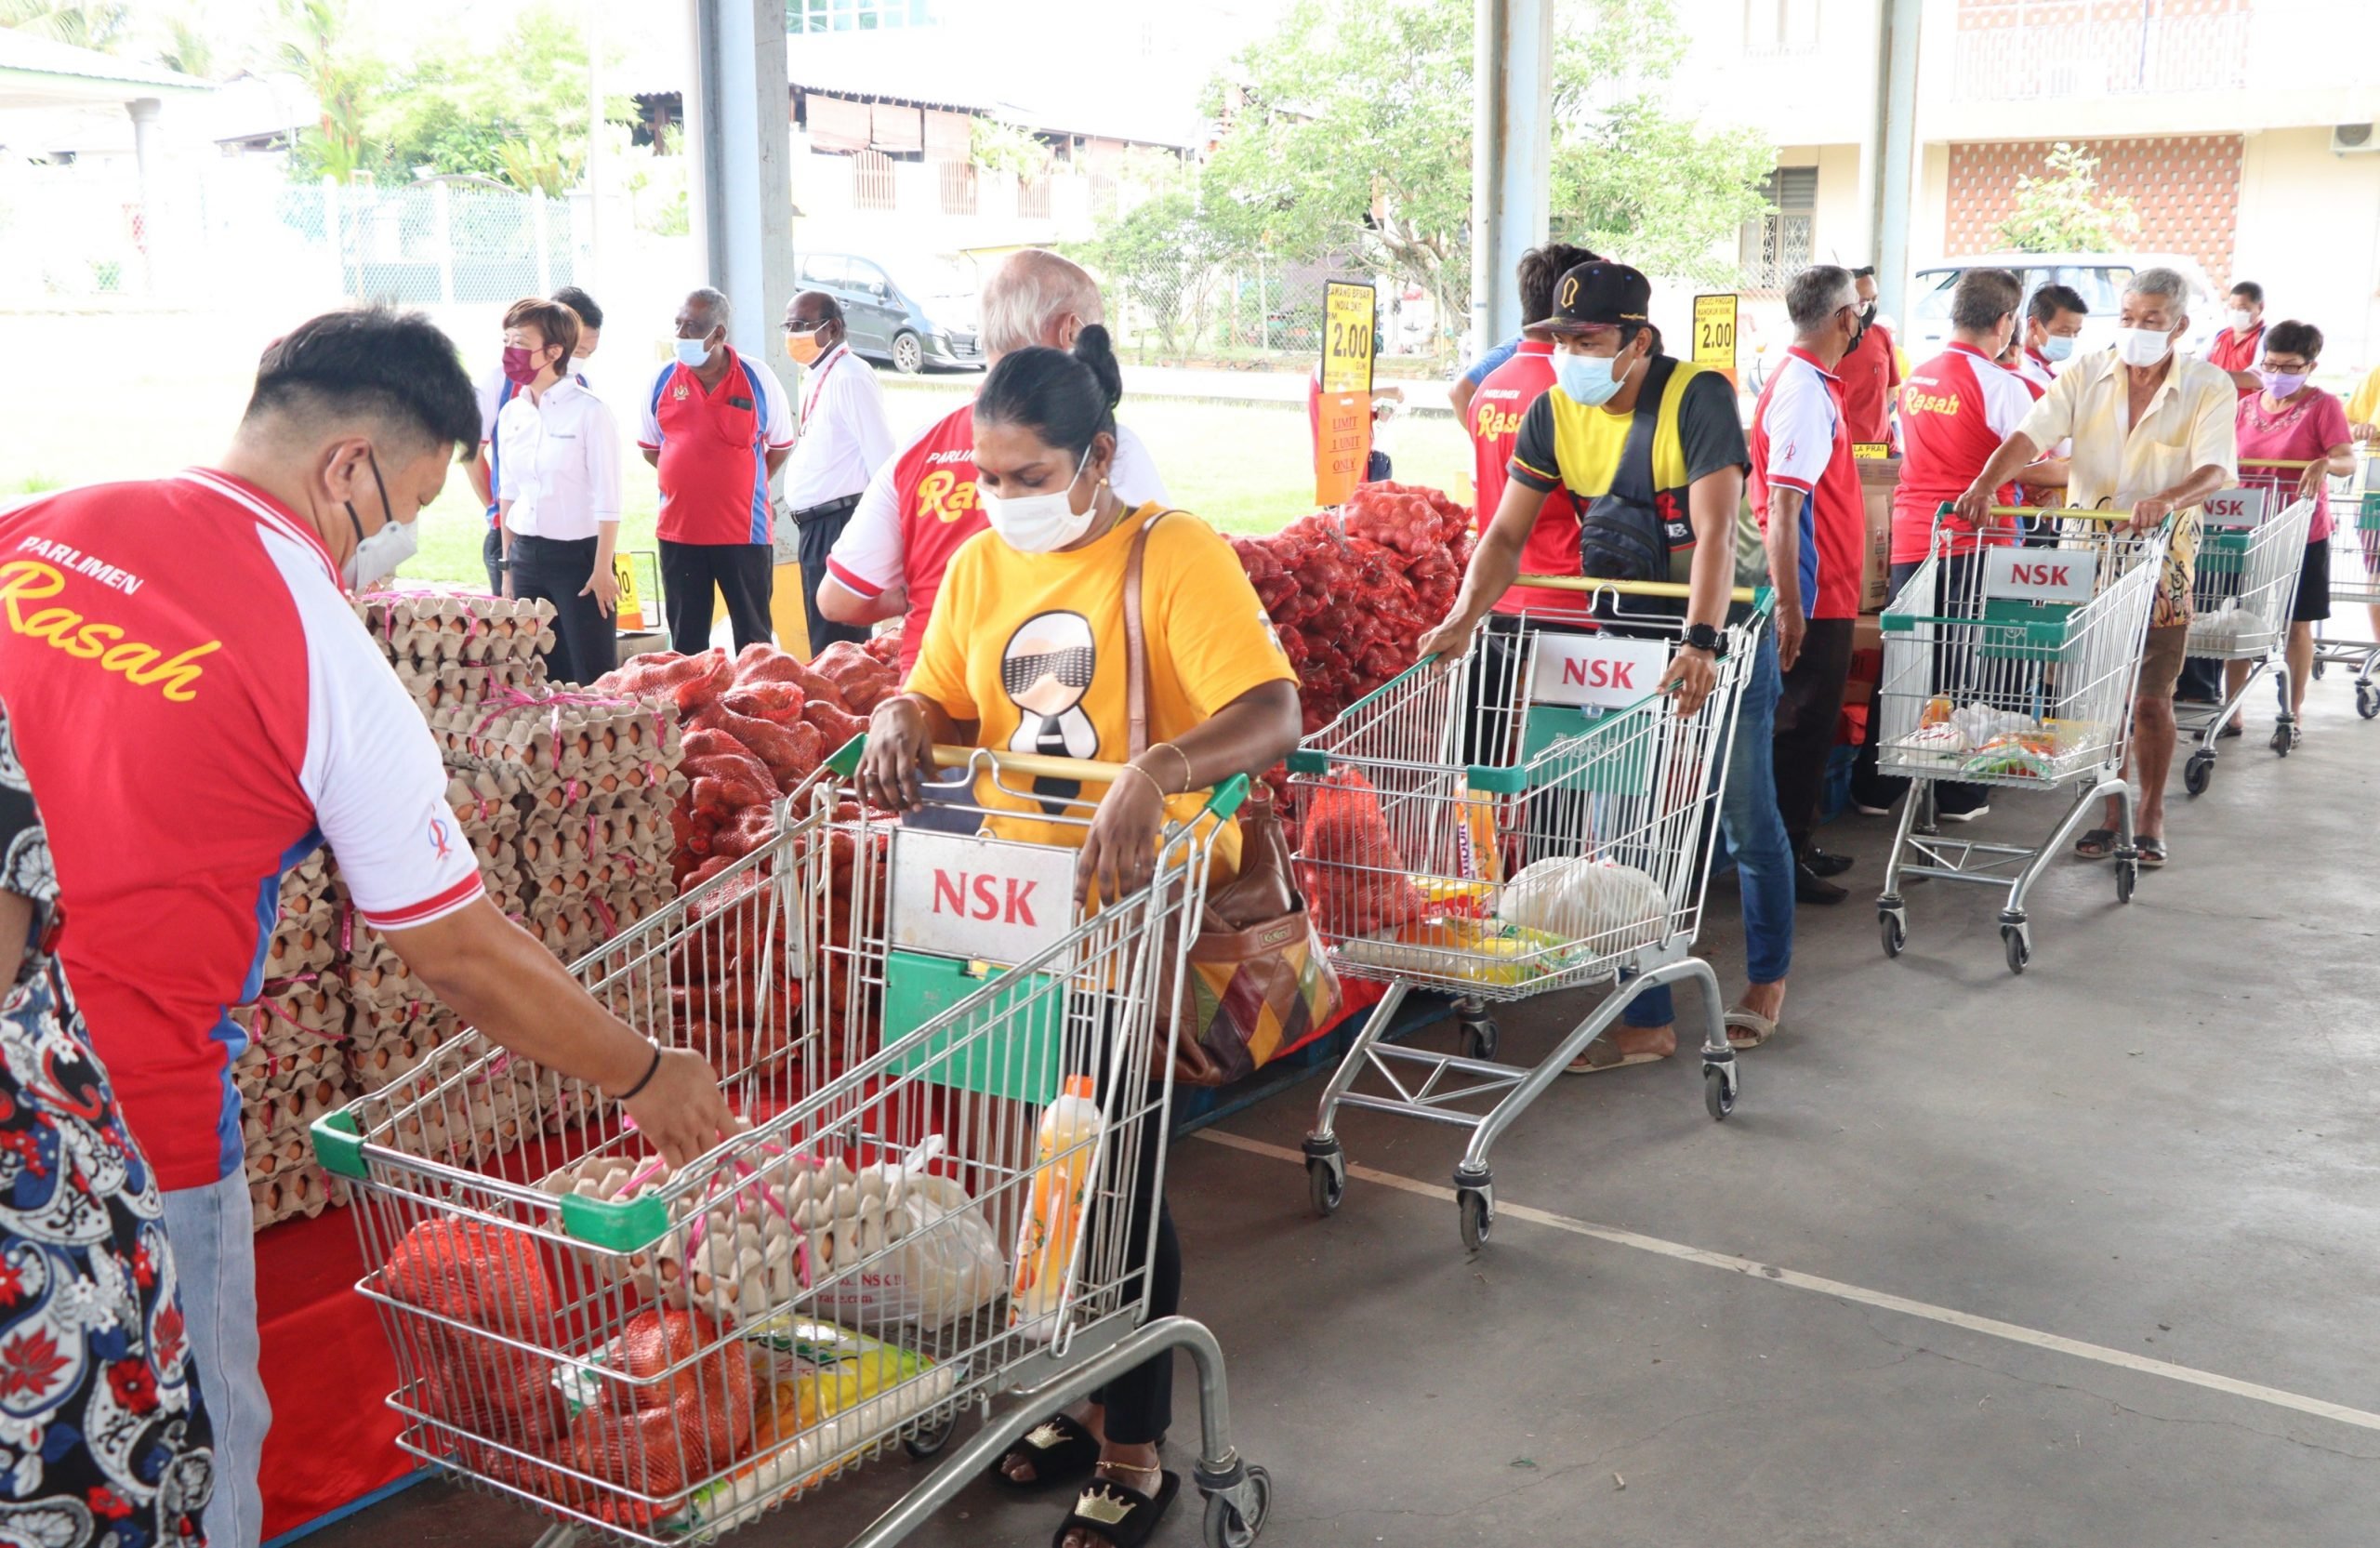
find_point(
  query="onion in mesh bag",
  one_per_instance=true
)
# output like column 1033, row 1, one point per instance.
column 1605, row 908
column 471, row 1273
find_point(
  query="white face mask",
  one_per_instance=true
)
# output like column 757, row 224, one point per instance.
column 375, row 558
column 1040, row 523
column 2242, row 322
column 2143, row 346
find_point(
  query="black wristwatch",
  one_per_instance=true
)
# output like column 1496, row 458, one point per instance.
column 1702, row 636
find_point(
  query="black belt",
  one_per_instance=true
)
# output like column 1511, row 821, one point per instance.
column 843, row 507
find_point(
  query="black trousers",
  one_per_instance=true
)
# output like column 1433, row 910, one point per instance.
column 1140, row 1402
column 1809, row 707
column 816, row 530
column 492, row 553
column 586, row 643
column 1955, row 584
column 740, row 572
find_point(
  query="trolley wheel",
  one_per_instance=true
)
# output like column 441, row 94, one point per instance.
column 929, row 1441
column 2198, row 771
column 1895, row 933
column 2318, row 668
column 1227, row 1525
column 1478, row 1217
column 2127, row 877
column 2282, row 741
column 1324, row 1188
column 2020, row 950
column 1716, row 1099
column 2367, row 700
column 1479, row 1037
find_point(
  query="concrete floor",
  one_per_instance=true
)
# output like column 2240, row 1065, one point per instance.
column 2156, row 1146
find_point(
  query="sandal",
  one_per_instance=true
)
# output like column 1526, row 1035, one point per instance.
column 1603, row 1054
column 1748, row 1028
column 1060, row 1450
column 2097, row 844
column 1117, row 1514
column 2152, row 853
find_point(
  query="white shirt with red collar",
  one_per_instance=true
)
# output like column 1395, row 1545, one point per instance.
column 197, row 707
column 2037, row 370
column 1800, row 438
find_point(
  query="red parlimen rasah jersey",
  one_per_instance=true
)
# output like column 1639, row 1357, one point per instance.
column 934, row 484
column 197, row 707
column 1496, row 410
column 1955, row 411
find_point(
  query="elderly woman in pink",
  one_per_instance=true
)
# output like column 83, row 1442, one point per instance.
column 2292, row 421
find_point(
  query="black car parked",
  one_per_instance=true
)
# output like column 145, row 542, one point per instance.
column 894, row 322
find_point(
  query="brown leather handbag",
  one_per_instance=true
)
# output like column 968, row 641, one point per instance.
column 1259, row 983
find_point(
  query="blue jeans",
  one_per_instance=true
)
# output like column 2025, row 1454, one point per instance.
column 212, row 1231
column 1756, row 836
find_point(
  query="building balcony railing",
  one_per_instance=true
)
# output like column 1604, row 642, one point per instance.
column 2034, row 50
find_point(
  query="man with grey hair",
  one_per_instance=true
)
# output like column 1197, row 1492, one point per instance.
column 921, row 505
column 717, row 427
column 1805, row 491
column 2154, row 433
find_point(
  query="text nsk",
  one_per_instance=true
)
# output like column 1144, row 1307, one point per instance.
column 981, row 896
column 1598, row 672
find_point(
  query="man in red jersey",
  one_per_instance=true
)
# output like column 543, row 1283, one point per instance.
column 197, row 707
column 920, row 506
column 1870, row 370
column 1805, row 490
column 1494, row 418
column 2242, row 339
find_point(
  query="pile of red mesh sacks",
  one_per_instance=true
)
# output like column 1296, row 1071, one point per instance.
column 755, row 725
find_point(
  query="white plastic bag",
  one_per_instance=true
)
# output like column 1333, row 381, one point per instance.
column 944, row 1261
column 1603, row 906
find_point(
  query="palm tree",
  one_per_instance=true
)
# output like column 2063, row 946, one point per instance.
column 85, row 24
column 313, row 47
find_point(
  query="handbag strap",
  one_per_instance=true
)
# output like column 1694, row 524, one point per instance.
column 1633, row 480
column 1136, row 645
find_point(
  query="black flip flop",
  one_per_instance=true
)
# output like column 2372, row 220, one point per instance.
column 1117, row 1514
column 1060, row 1449
column 2097, row 844
column 2152, row 854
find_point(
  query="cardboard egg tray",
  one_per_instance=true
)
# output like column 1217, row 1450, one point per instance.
column 299, row 1193
column 463, row 685
column 442, row 626
column 540, row 743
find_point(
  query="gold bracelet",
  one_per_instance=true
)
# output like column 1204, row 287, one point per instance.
column 1135, row 768
column 1187, row 781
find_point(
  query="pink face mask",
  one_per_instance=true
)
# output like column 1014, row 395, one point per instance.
column 520, row 364
column 2284, row 384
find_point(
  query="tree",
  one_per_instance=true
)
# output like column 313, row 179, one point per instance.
column 315, row 47
column 1353, row 143
column 2063, row 212
column 1164, row 260
column 102, row 24
column 513, row 108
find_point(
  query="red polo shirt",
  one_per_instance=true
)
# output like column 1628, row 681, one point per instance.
column 1956, row 410
column 715, row 445
column 1800, row 438
column 1497, row 410
column 2232, row 352
column 1869, row 375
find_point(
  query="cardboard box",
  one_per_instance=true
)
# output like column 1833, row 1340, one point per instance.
column 1879, row 482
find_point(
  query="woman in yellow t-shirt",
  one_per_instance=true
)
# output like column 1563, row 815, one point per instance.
column 1026, row 651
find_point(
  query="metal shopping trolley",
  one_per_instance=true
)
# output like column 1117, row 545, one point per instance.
column 661, row 1359
column 2013, row 667
column 2355, row 580
column 1530, row 817
column 2252, row 543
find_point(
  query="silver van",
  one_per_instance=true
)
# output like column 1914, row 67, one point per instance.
column 2100, row 279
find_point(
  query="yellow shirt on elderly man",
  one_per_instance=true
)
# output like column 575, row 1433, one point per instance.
column 2192, row 422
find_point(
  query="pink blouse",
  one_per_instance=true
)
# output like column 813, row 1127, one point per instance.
column 2303, row 430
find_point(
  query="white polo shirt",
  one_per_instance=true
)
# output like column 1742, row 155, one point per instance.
column 558, row 463
column 845, row 437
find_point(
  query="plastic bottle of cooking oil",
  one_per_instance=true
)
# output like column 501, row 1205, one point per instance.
column 1045, row 1239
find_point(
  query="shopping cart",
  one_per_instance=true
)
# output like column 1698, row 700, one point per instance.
column 660, row 1360
column 1530, row 817
column 2252, row 543
column 2354, row 580
column 2013, row 667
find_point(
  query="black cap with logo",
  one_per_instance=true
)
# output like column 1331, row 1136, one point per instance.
column 1599, row 296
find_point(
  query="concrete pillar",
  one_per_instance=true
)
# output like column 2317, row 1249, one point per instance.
column 1512, row 155
column 1896, row 142
column 145, row 154
column 740, row 186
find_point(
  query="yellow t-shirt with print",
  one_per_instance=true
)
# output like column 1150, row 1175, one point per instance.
column 1031, row 647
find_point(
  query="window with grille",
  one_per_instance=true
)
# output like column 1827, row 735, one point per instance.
column 1776, row 244
column 872, row 180
column 958, row 188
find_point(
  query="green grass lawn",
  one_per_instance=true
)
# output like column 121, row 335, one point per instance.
column 170, row 397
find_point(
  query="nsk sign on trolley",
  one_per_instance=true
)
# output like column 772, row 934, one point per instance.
column 2041, row 575
column 980, row 899
column 1597, row 672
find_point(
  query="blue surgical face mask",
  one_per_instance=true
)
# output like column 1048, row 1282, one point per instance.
column 1587, row 380
column 693, row 353
column 2058, row 346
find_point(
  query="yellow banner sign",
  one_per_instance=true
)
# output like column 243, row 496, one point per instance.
column 1871, row 451
column 1350, row 316
column 630, row 617
column 1714, row 332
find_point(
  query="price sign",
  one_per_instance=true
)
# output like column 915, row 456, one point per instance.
column 1350, row 315
column 1714, row 332
column 1871, row 451
column 1343, row 442
column 1595, row 672
column 632, row 611
column 958, row 895
column 2041, row 575
column 2234, row 507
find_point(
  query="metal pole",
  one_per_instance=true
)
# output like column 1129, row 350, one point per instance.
column 537, row 218
column 331, row 232
column 441, row 225
column 741, row 191
column 1512, row 155
column 1896, row 133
